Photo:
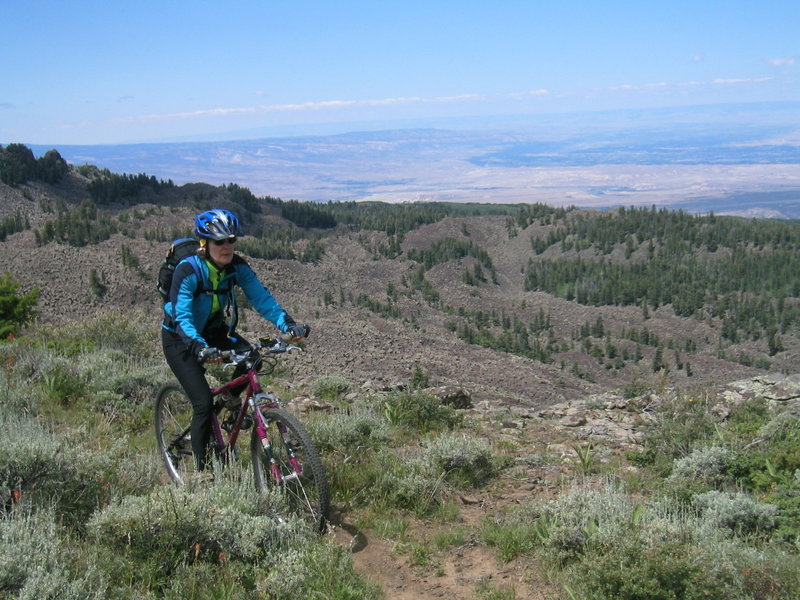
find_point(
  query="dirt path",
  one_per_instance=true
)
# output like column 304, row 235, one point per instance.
column 459, row 573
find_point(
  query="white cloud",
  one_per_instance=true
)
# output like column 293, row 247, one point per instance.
column 222, row 112
column 528, row 94
column 787, row 61
column 663, row 85
column 723, row 81
column 313, row 106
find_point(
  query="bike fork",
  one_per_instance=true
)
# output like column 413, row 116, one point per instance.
column 263, row 436
column 261, row 431
column 273, row 464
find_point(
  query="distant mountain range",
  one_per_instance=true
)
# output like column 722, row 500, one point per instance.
column 740, row 159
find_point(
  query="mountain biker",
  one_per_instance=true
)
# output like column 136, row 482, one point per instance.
column 200, row 315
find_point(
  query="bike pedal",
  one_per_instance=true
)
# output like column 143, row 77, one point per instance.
column 230, row 401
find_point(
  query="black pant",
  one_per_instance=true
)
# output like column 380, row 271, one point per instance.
column 192, row 376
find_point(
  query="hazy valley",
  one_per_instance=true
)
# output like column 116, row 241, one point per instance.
column 739, row 159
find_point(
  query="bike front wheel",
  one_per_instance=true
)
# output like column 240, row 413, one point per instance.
column 173, row 417
column 289, row 460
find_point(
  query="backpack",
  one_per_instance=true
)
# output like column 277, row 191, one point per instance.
column 180, row 249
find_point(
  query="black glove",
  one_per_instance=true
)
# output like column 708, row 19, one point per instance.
column 298, row 331
column 207, row 354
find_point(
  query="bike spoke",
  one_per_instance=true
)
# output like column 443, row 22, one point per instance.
column 172, row 420
column 297, row 469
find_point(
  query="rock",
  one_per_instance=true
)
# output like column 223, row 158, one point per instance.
column 616, row 402
column 573, row 420
column 483, row 405
column 721, row 410
column 306, row 404
column 783, row 391
column 452, row 395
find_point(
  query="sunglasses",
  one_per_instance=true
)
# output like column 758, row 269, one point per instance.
column 226, row 241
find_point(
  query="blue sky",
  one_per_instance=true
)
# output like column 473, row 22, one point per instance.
column 96, row 72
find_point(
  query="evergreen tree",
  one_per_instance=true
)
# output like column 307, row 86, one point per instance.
column 52, row 167
column 15, row 309
column 17, row 164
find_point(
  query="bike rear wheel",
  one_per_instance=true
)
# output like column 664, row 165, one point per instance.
column 173, row 417
column 295, row 467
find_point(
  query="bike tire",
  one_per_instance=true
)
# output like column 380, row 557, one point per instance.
column 306, row 492
column 173, row 417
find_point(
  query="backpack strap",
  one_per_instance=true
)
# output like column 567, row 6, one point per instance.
column 202, row 288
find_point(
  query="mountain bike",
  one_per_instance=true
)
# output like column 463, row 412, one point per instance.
column 281, row 450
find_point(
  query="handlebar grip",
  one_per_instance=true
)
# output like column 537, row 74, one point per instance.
column 296, row 332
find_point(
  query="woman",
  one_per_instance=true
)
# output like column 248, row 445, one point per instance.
column 200, row 316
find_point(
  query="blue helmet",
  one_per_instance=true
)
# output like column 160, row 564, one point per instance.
column 217, row 224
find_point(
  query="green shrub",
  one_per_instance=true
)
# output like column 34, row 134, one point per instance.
column 609, row 546
column 737, row 512
column 513, row 537
column 463, row 461
column 413, row 490
column 488, row 591
column 772, row 462
column 99, row 367
column 589, row 516
column 222, row 541
column 54, row 470
column 130, row 333
column 34, row 564
column 636, row 387
column 331, row 387
column 665, row 571
column 354, row 478
column 173, row 525
column 672, row 570
column 683, row 424
column 15, row 309
column 416, row 481
column 385, row 479
column 345, row 432
column 419, row 411
column 201, row 581
column 63, row 383
column 705, row 468
column 788, row 518
column 419, row 378
column 122, row 387
column 17, row 367
column 322, row 570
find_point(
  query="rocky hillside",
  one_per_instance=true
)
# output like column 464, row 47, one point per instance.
column 371, row 323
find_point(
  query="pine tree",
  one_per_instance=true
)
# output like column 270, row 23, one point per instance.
column 15, row 309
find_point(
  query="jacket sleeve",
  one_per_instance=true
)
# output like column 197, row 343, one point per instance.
column 182, row 295
column 261, row 298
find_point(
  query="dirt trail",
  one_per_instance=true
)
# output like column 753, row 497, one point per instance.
column 457, row 573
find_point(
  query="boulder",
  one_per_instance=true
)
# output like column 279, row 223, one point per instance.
column 452, row 395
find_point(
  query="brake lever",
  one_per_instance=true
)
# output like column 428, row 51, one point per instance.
column 233, row 358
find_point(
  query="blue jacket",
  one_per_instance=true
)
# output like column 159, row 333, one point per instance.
column 188, row 311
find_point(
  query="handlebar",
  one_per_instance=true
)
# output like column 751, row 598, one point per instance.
column 280, row 345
